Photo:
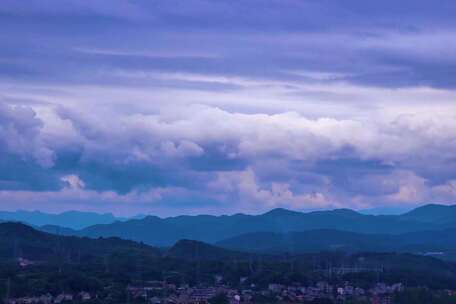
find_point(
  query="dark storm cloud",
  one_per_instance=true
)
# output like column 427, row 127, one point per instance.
column 20, row 135
column 68, row 41
column 24, row 155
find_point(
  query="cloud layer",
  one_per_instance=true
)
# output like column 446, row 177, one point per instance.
column 221, row 107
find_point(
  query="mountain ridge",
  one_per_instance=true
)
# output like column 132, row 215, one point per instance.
column 158, row 231
column 432, row 212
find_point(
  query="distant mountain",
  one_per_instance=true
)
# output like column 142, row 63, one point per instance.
column 211, row 229
column 385, row 211
column 20, row 240
column 69, row 219
column 441, row 214
column 194, row 250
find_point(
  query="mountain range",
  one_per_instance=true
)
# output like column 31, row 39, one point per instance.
column 212, row 229
column 278, row 229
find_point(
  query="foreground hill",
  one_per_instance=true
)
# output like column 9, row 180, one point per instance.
column 211, row 229
column 106, row 267
column 19, row 240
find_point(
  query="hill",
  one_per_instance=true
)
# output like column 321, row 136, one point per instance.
column 309, row 241
column 194, row 250
column 423, row 242
column 19, row 240
column 54, row 229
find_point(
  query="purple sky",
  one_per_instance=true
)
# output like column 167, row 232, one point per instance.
column 191, row 106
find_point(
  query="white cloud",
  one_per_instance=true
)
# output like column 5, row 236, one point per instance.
column 73, row 181
column 75, row 197
column 445, row 192
column 411, row 188
column 245, row 185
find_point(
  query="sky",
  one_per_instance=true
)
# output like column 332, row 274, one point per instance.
column 196, row 106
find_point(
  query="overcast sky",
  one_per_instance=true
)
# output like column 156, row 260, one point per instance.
column 185, row 107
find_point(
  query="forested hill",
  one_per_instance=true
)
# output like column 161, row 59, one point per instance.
column 20, row 240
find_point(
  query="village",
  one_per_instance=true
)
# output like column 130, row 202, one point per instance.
column 160, row 292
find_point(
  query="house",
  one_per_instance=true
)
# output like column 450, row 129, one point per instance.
column 63, row 298
column 275, row 287
column 84, row 296
column 24, row 262
column 201, row 295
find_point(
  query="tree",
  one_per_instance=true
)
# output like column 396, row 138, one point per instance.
column 221, row 298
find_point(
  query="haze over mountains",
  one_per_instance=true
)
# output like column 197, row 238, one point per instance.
column 68, row 219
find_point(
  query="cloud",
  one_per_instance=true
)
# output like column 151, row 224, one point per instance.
column 74, row 197
column 373, row 45
column 244, row 185
column 183, row 149
column 257, row 161
column 20, row 135
column 214, row 105
column 445, row 192
column 73, row 181
column 150, row 147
